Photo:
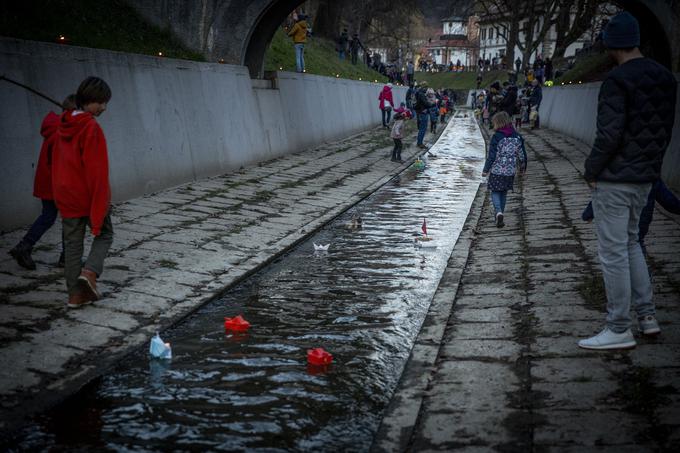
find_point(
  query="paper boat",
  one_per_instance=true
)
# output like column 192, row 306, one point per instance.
column 425, row 242
column 318, row 356
column 321, row 247
column 236, row 324
column 158, row 349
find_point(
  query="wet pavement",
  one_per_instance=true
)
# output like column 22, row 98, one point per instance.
column 173, row 251
column 364, row 300
column 497, row 368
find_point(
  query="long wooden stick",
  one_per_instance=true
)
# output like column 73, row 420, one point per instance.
column 36, row 92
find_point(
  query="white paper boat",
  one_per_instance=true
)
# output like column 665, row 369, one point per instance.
column 425, row 242
column 321, row 247
column 158, row 349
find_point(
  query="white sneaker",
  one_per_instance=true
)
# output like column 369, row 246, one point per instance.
column 648, row 325
column 609, row 340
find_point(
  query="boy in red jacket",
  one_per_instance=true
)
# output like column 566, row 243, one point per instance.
column 80, row 180
column 42, row 188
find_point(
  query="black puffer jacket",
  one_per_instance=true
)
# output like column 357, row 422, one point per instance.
column 635, row 113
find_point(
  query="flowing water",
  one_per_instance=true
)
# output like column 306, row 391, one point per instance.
column 363, row 300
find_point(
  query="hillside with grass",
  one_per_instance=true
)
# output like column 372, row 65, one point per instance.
column 588, row 68
column 111, row 24
column 320, row 58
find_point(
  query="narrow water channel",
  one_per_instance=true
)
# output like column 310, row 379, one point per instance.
column 363, row 300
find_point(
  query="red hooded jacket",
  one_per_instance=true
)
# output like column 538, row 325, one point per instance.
column 385, row 94
column 80, row 170
column 42, row 185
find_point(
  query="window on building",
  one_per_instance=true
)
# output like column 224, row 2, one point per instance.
column 490, row 33
column 483, row 34
column 439, row 52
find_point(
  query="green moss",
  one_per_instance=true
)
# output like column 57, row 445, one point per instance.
column 168, row 264
column 593, row 292
column 112, row 25
column 320, row 58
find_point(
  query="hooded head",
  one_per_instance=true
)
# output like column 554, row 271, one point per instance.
column 71, row 125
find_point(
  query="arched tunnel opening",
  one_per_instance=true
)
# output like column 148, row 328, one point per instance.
column 263, row 32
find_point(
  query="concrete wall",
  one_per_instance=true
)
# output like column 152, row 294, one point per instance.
column 573, row 110
column 169, row 121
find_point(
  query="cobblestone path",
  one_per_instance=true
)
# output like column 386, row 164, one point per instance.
column 505, row 374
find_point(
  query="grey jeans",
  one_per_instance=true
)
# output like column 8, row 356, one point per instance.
column 74, row 235
column 617, row 209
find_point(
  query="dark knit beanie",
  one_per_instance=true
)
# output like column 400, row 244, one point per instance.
column 622, row 31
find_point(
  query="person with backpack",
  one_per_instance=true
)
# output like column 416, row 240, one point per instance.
column 505, row 158
column 422, row 108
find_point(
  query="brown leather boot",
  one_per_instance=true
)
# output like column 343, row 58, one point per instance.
column 78, row 299
column 87, row 285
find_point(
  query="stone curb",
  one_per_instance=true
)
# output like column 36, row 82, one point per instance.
column 402, row 413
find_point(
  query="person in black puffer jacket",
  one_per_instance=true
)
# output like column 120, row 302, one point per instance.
column 635, row 114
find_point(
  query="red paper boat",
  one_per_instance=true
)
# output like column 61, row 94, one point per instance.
column 319, row 357
column 237, row 324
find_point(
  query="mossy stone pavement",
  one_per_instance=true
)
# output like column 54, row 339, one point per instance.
column 497, row 368
column 172, row 252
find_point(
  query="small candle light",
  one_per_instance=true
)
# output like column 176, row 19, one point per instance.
column 280, row 68
column 221, row 61
column 160, row 54
column 62, row 38
column 337, row 75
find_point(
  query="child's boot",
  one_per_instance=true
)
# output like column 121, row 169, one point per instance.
column 87, row 285
column 22, row 254
column 78, row 299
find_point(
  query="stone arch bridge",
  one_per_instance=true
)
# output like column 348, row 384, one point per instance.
column 239, row 31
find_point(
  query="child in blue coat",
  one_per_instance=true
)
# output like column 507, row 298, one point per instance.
column 506, row 157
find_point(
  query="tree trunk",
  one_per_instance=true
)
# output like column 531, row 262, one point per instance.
column 513, row 33
column 328, row 19
column 562, row 24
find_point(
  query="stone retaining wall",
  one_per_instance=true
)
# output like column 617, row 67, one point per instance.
column 169, row 121
column 572, row 110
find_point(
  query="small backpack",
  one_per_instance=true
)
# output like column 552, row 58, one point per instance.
column 508, row 156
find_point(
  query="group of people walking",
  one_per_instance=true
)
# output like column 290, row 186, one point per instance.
column 72, row 179
column 635, row 116
column 422, row 102
column 521, row 104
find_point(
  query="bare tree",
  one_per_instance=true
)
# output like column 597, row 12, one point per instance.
column 573, row 19
column 510, row 13
column 328, row 19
